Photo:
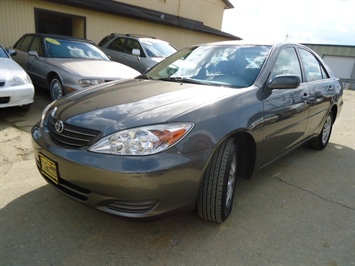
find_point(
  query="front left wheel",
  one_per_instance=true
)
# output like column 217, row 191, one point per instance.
column 56, row 88
column 215, row 199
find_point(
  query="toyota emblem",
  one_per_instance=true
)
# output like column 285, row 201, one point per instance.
column 59, row 126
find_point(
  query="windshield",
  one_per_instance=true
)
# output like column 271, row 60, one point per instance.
column 73, row 49
column 221, row 65
column 157, row 48
column 3, row 54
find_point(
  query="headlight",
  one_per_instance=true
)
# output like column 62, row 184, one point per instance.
column 17, row 80
column 90, row 82
column 144, row 140
column 44, row 113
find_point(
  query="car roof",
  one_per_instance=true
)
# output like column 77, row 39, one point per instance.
column 245, row 43
column 58, row 36
column 132, row 35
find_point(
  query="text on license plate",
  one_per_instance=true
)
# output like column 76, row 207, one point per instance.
column 49, row 168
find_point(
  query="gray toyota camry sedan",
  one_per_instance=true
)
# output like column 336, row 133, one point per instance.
column 177, row 137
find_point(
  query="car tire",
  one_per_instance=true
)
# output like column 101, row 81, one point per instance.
column 215, row 199
column 25, row 108
column 56, row 88
column 320, row 142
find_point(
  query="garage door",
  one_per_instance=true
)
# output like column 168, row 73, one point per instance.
column 341, row 66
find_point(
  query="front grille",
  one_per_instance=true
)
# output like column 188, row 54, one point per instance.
column 132, row 206
column 4, row 99
column 2, row 83
column 72, row 135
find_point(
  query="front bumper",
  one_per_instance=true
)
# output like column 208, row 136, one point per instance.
column 128, row 186
column 16, row 95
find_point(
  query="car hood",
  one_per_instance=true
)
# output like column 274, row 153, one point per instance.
column 103, row 69
column 157, row 59
column 119, row 105
column 9, row 68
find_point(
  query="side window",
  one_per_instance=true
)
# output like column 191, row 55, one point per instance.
column 117, row 45
column 132, row 44
column 25, row 44
column 312, row 68
column 36, row 45
column 286, row 63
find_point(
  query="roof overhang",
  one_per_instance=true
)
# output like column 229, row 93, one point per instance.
column 139, row 13
column 228, row 4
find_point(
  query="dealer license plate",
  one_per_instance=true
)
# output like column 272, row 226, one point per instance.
column 49, row 168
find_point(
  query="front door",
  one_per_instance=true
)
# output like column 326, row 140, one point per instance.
column 285, row 110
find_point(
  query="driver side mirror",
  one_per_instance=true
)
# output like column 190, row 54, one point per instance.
column 11, row 52
column 284, row 82
column 33, row 53
column 136, row 52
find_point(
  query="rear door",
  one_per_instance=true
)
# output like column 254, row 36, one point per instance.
column 285, row 110
column 321, row 90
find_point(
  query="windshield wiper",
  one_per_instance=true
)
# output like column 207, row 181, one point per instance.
column 143, row 76
column 185, row 80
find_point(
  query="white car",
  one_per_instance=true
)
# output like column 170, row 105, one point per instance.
column 16, row 88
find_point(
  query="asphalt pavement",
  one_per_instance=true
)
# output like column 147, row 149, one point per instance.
column 298, row 211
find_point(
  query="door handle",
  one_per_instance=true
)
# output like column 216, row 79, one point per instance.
column 306, row 97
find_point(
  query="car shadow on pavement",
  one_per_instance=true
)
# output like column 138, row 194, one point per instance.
column 43, row 224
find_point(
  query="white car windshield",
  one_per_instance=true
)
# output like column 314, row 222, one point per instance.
column 219, row 65
column 58, row 48
column 3, row 54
